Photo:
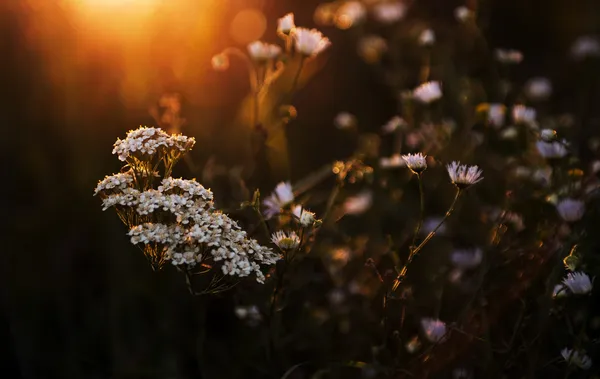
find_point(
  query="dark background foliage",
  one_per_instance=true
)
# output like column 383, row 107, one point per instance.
column 78, row 300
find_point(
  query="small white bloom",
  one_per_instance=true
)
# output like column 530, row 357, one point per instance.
column 578, row 283
column 285, row 241
column 466, row 259
column 585, row 46
column 282, row 196
column 344, row 120
column 358, row 204
column 394, row 161
column 496, row 115
column 261, row 52
column 310, row 42
column 538, row 88
column 304, row 217
column 551, row 150
column 595, row 166
column 427, row 37
column 350, row 14
column 393, row 124
column 285, row 25
column 389, row 12
column 524, row 115
column 417, row 163
column 428, row 92
column 464, row 176
column 573, row 357
column 220, row 62
column 434, row 329
column 463, row 14
column 548, row 135
column 509, row 56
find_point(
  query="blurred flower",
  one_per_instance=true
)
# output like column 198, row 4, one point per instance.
column 220, row 62
column 371, row 48
column 304, row 217
column 261, row 52
column 389, row 12
column 285, row 25
column 538, row 89
column 509, row 56
column 463, row 14
column 463, row 176
column 551, row 149
column 496, row 113
column 578, row 283
column 344, row 120
column 428, row 92
column 250, row 313
column 559, row 291
column 282, row 196
column 466, row 259
column 285, row 241
column 393, row 124
column 548, row 135
column 461, row 373
column 595, row 166
column 524, row 115
column 571, row 210
column 358, row 204
column 585, row 46
column 417, row 163
column 310, row 42
column 509, row 133
column 434, row 329
column 431, row 223
column 325, row 14
column 350, row 14
column 413, row 345
column 394, row 161
column 427, row 37
column 573, row 357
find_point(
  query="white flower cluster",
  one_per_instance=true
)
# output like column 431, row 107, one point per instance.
column 116, row 182
column 148, row 141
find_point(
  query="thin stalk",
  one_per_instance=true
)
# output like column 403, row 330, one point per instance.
column 297, row 76
column 422, row 210
column 416, row 250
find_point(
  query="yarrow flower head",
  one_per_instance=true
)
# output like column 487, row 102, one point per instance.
column 145, row 142
column 261, row 52
column 463, row 176
column 552, row 150
column 285, row 25
column 578, row 283
column 282, row 196
column 285, row 241
column 576, row 358
column 571, row 210
column 428, row 92
column 434, row 329
column 310, row 42
column 417, row 163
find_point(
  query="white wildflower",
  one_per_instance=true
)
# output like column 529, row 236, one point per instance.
column 434, row 329
column 389, row 12
column 559, row 291
column 428, row 92
column 508, row 56
column 578, row 283
column 496, row 114
column 393, row 124
column 417, row 163
column 261, row 51
column 304, row 217
column 524, row 115
column 466, row 258
column 463, row 176
column 393, row 161
column 576, row 358
column 585, row 46
column 345, row 120
column 538, row 89
column 552, row 150
column 358, row 204
column 310, row 42
column 285, row 241
column 427, row 37
column 282, row 196
column 548, row 135
column 509, row 133
column 463, row 14
column 285, row 25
